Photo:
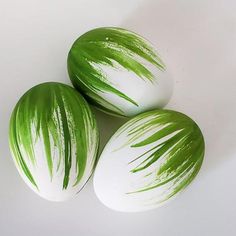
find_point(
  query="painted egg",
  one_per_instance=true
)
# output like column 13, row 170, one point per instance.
column 119, row 72
column 148, row 161
column 53, row 138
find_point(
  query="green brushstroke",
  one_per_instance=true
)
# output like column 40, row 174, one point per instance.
column 58, row 115
column 177, row 145
column 104, row 46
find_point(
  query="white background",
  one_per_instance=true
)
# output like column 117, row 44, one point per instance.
column 197, row 39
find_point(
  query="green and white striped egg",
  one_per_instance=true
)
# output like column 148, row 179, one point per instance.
column 148, row 161
column 53, row 138
column 119, row 71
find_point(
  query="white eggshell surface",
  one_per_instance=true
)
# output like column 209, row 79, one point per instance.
column 53, row 140
column 149, row 160
column 119, row 71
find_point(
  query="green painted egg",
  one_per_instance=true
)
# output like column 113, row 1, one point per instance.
column 53, row 139
column 119, row 71
column 148, row 161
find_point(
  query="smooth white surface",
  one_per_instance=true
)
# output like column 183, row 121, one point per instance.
column 115, row 182
column 197, row 40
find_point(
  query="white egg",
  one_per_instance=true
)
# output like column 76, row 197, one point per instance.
column 119, row 72
column 148, row 161
column 53, row 139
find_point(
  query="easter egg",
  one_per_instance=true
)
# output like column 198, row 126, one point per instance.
column 148, row 161
column 53, row 139
column 119, row 72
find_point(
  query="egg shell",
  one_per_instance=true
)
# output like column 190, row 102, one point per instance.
column 119, row 72
column 53, row 139
column 148, row 161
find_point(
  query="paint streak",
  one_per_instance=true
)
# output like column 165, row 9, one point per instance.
column 61, row 118
column 176, row 152
column 104, row 46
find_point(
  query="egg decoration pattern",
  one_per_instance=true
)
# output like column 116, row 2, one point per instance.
column 119, row 71
column 148, row 161
column 53, row 138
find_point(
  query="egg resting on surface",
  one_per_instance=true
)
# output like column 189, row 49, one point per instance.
column 148, row 161
column 119, row 71
column 53, row 138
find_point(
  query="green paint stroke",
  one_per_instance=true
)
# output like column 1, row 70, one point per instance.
column 104, row 46
column 177, row 150
column 62, row 119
